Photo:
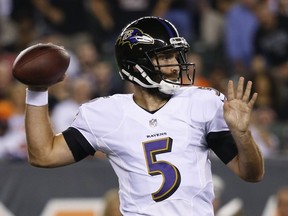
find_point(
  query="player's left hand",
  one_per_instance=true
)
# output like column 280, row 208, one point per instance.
column 238, row 106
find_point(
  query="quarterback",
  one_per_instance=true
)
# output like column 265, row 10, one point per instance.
column 157, row 139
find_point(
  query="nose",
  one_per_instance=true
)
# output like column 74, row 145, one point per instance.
column 175, row 69
column 174, row 66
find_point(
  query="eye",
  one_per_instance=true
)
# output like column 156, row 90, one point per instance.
column 167, row 56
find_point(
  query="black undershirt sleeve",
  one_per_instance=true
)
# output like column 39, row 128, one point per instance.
column 77, row 143
column 223, row 144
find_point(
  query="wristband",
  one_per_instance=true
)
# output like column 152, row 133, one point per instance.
column 36, row 98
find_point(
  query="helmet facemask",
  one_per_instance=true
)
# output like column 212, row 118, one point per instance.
column 186, row 71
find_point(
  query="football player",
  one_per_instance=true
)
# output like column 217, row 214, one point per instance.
column 157, row 139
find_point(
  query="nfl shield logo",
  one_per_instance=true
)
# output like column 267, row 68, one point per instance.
column 153, row 122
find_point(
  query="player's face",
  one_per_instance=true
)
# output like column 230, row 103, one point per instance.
column 170, row 72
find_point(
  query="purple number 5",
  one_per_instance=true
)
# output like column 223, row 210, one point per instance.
column 170, row 173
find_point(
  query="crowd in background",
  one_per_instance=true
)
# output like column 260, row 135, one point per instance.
column 228, row 38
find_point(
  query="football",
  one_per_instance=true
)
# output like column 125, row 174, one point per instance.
column 41, row 65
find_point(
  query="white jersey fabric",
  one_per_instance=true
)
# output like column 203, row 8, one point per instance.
column 161, row 159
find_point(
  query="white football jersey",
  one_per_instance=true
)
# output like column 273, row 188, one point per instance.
column 161, row 159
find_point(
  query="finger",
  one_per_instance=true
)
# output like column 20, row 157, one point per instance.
column 253, row 100
column 247, row 92
column 230, row 92
column 239, row 92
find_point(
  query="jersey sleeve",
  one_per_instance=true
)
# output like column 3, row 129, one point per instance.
column 77, row 144
column 217, row 122
column 97, row 119
column 219, row 138
column 81, row 124
column 78, row 137
column 223, row 145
